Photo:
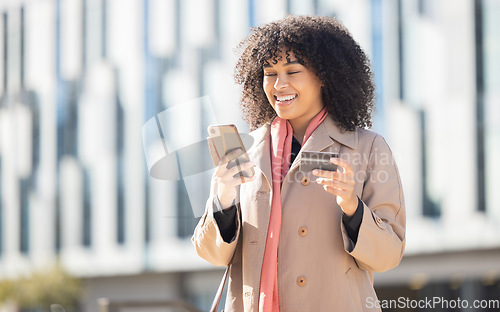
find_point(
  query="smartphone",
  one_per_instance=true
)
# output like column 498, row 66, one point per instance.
column 317, row 160
column 226, row 139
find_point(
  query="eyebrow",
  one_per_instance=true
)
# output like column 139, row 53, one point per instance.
column 267, row 65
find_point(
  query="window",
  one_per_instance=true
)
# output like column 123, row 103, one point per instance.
column 488, row 53
column 377, row 59
column 87, row 210
column 481, row 192
column 67, row 115
column 1, row 211
column 430, row 207
column 414, row 20
column 147, row 208
column 3, row 53
column 24, row 215
column 34, row 107
column 400, row 50
column 57, row 222
column 120, row 177
column 186, row 220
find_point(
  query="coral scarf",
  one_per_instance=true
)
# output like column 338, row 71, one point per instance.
column 281, row 147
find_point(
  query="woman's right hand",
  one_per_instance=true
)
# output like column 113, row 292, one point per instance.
column 229, row 180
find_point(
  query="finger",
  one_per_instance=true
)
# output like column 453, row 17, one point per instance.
column 222, row 167
column 220, row 170
column 335, row 175
column 248, row 179
column 323, row 173
column 232, row 181
column 342, row 163
column 332, row 190
column 349, row 187
column 231, row 156
column 338, row 192
column 239, row 168
column 227, row 175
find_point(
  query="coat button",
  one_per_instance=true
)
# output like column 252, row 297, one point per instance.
column 301, row 281
column 380, row 223
column 248, row 294
column 302, row 231
column 305, row 181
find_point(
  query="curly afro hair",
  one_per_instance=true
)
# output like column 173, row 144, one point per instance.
column 323, row 45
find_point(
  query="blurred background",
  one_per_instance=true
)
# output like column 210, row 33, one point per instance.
column 82, row 219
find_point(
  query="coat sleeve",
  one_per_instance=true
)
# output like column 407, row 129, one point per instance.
column 207, row 238
column 381, row 239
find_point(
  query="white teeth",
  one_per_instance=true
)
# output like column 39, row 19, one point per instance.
column 285, row 98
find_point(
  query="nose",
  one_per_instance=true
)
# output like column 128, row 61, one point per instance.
column 281, row 82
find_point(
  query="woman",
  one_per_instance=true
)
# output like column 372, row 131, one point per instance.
column 305, row 241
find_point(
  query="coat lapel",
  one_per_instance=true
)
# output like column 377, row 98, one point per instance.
column 260, row 152
column 347, row 138
column 326, row 135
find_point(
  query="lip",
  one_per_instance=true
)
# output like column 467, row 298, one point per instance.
column 284, row 103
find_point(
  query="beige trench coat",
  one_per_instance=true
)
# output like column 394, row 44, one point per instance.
column 319, row 267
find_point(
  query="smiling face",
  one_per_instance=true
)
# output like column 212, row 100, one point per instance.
column 293, row 91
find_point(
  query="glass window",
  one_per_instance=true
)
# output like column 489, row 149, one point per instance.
column 197, row 23
column 120, row 194
column 71, row 40
column 13, row 51
column 400, row 50
column 3, row 53
column 162, row 27
column 67, row 132
column 187, row 221
column 147, row 209
column 93, row 32
column 377, row 57
column 1, row 210
column 416, row 35
column 57, row 222
column 87, row 210
column 491, row 64
column 24, row 215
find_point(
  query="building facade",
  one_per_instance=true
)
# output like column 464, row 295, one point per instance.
column 79, row 79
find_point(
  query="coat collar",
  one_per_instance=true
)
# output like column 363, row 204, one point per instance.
column 324, row 136
column 329, row 128
column 260, row 151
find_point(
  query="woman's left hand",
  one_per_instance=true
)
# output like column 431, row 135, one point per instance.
column 340, row 184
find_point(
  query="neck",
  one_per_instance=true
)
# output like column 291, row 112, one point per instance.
column 299, row 129
column 300, row 125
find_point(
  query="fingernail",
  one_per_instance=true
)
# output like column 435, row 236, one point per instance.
column 315, row 171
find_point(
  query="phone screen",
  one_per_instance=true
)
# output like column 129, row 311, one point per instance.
column 227, row 139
